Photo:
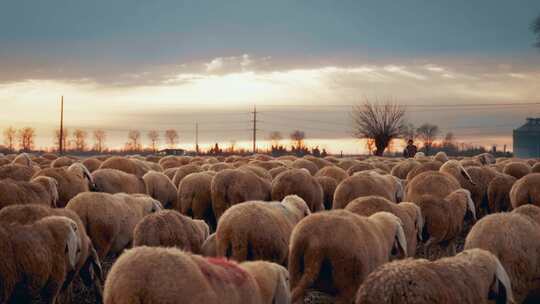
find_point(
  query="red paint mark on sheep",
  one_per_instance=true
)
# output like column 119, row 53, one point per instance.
column 224, row 270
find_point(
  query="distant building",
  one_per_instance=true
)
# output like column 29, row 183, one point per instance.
column 527, row 139
column 178, row 152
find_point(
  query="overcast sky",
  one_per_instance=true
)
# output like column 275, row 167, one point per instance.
column 167, row 64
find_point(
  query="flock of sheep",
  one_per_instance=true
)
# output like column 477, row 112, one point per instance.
column 258, row 229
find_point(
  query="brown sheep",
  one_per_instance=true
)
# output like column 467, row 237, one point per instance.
column 36, row 258
column 409, row 214
column 233, row 186
column 347, row 163
column 41, row 190
column 329, row 186
column 320, row 162
column 63, row 161
column 499, row 193
column 276, row 171
column 116, row 181
column 526, row 190
column 426, row 166
column 511, row 237
column 195, row 198
column 259, row 171
column 184, row 171
column 236, row 239
column 160, row 187
column 209, row 247
column 334, row 172
column 444, row 219
column 267, row 165
column 302, row 163
column 517, row 169
column 16, row 172
column 473, row 276
column 431, row 182
column 22, row 159
column 109, row 219
column 318, row 259
column 367, row 183
column 71, row 181
column 359, row 167
column 169, row 228
column 404, row 167
column 140, row 274
column 272, row 279
column 88, row 265
column 301, row 183
column 482, row 177
column 92, row 164
column 441, row 156
column 125, row 164
column 455, row 169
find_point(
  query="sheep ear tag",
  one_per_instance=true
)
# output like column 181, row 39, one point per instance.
column 72, row 244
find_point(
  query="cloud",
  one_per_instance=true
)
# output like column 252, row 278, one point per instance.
column 229, row 64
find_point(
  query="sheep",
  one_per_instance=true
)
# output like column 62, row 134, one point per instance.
column 128, row 165
column 63, row 161
column 276, row 171
column 88, row 265
column 441, row 156
column 236, row 239
column 526, row 190
column 334, row 172
column 425, row 166
column 23, row 159
column 367, row 183
column 169, row 228
column 347, row 163
column 71, row 181
column 41, row 190
column 409, row 214
column 517, row 169
column 116, row 181
column 482, row 177
column 455, row 169
column 36, row 258
column 160, row 187
column 320, row 162
column 219, row 166
column 320, row 258
column 194, row 198
column 329, row 186
column 359, row 167
column 272, row 280
column 209, row 247
column 139, row 275
column 233, row 186
column 301, row 183
column 435, row 183
column 473, row 276
column 16, row 172
column 172, row 161
column 511, row 237
column 184, row 171
column 498, row 193
column 485, row 158
column 268, row 165
column 109, row 219
column 444, row 219
column 92, row 164
column 404, row 167
column 259, row 171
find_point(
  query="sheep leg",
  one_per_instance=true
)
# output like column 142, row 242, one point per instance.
column 50, row 292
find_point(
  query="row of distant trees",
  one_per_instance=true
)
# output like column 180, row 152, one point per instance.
column 24, row 139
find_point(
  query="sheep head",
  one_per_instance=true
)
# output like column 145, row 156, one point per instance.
column 51, row 186
column 83, row 173
column 456, row 169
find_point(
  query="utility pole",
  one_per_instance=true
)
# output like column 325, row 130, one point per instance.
column 254, row 129
column 197, row 138
column 61, row 139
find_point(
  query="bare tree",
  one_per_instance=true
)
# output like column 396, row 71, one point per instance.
column 9, row 138
column 275, row 137
column 134, row 137
column 298, row 137
column 99, row 140
column 536, row 29
column 79, row 139
column 65, row 142
column 428, row 133
column 153, row 135
column 26, row 138
column 409, row 132
column 380, row 122
column 172, row 138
